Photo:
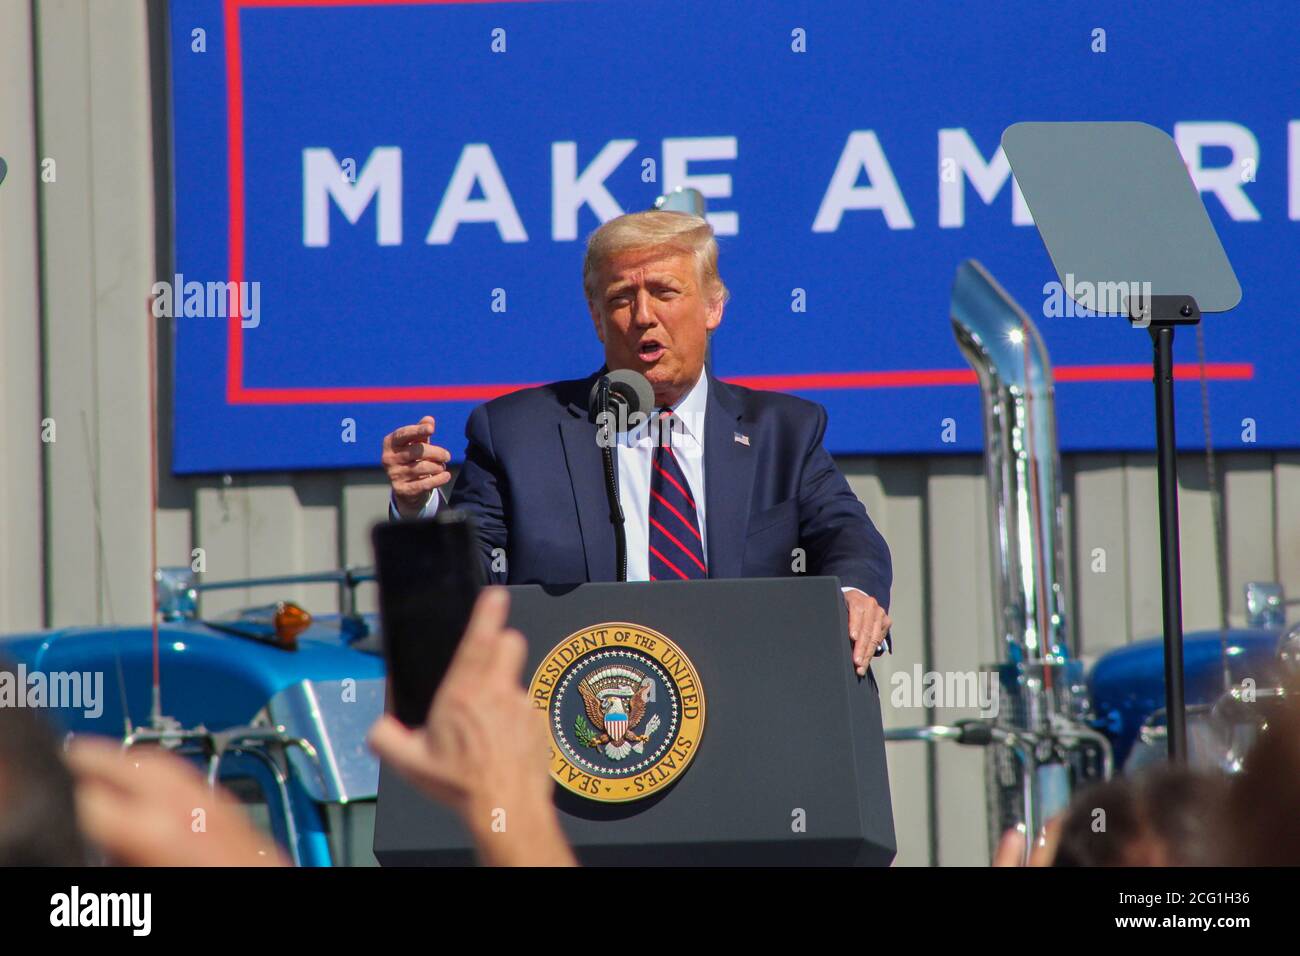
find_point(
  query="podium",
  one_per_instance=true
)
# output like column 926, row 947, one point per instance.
column 790, row 763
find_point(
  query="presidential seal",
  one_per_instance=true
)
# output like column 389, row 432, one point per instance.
column 625, row 709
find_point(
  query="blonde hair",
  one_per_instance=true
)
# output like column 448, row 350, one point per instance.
column 656, row 228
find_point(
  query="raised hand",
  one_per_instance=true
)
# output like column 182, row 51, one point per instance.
column 415, row 468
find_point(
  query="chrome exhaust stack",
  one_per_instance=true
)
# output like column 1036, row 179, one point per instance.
column 1040, row 746
column 1022, row 464
column 1042, row 686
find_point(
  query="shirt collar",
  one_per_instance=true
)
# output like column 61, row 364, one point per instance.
column 689, row 410
column 690, row 407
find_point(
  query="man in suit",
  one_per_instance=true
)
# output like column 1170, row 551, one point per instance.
column 723, row 482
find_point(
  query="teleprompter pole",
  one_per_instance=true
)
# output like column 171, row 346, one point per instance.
column 1162, row 338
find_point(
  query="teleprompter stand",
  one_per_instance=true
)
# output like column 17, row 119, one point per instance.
column 1127, row 233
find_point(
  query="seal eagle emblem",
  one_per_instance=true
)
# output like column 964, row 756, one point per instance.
column 615, row 699
column 625, row 709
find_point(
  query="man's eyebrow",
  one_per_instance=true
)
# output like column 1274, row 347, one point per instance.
column 663, row 278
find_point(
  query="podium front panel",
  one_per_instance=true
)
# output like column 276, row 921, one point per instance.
column 790, row 766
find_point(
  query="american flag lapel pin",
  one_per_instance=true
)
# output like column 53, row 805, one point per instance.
column 742, row 439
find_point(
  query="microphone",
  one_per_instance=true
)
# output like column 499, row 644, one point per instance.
column 629, row 393
column 614, row 399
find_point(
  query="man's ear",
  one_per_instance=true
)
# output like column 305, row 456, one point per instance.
column 596, row 322
column 713, row 318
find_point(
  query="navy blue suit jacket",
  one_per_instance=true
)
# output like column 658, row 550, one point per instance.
column 534, row 480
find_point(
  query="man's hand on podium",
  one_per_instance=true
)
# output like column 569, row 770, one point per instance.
column 415, row 468
column 483, row 749
column 868, row 625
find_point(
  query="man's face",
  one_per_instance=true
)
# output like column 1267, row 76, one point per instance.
column 653, row 314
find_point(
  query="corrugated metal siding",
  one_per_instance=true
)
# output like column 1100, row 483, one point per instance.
column 74, row 514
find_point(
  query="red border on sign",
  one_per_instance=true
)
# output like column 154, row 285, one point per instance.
column 237, row 394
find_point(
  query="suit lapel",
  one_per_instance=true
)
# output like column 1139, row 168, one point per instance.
column 587, row 477
column 728, row 481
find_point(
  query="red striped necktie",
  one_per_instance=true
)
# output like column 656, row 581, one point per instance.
column 676, row 546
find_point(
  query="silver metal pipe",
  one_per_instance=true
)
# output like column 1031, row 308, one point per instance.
column 932, row 732
column 281, row 781
column 1019, row 744
column 1043, row 723
column 348, row 577
column 215, row 746
column 1077, row 733
column 1000, row 342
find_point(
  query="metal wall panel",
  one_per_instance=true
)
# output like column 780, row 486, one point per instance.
column 1142, row 529
column 1099, row 604
column 1286, row 520
column 97, row 267
column 21, row 410
column 268, row 525
column 898, row 509
column 961, row 640
column 1249, row 508
column 1196, row 535
column 893, row 494
column 365, row 501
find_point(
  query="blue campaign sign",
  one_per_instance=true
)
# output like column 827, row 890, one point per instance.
column 401, row 191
